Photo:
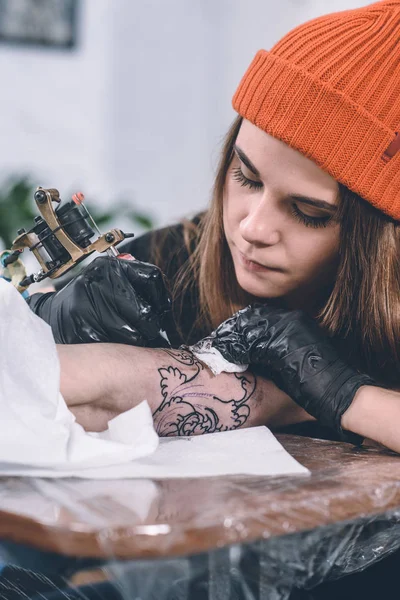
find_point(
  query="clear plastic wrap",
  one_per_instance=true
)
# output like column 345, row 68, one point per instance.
column 233, row 537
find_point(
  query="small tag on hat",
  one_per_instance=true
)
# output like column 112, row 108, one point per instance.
column 393, row 149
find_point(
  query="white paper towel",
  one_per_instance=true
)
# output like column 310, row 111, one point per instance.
column 39, row 436
column 253, row 451
column 36, row 427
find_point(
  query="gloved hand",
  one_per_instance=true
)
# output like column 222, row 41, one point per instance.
column 112, row 300
column 293, row 351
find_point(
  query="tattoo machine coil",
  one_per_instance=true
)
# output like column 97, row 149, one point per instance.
column 61, row 237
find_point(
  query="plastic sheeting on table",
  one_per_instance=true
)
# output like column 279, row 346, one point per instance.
column 232, row 537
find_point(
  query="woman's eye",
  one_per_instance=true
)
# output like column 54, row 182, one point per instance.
column 245, row 181
column 310, row 221
column 301, row 217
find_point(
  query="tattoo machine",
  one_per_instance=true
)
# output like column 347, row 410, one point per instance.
column 62, row 236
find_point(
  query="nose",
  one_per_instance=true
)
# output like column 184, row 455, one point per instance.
column 262, row 224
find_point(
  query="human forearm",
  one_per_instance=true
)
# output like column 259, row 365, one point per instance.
column 99, row 381
column 375, row 414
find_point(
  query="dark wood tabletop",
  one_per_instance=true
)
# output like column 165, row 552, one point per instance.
column 149, row 519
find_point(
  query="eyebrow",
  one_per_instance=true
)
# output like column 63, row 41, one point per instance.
column 305, row 199
column 246, row 161
column 317, row 203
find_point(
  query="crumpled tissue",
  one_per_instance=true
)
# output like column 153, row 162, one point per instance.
column 213, row 359
column 36, row 427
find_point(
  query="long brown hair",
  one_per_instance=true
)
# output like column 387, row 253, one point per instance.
column 362, row 312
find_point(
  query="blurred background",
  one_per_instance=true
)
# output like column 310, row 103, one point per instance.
column 127, row 101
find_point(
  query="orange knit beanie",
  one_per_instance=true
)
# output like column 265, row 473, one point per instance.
column 331, row 89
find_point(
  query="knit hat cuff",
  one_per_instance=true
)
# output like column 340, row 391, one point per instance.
column 325, row 125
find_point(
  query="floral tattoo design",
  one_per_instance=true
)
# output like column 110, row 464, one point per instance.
column 183, row 411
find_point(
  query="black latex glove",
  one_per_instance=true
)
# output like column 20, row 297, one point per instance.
column 293, row 351
column 112, row 300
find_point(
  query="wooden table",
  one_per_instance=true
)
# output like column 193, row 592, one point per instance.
column 152, row 519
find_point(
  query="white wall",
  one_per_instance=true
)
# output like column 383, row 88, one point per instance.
column 141, row 104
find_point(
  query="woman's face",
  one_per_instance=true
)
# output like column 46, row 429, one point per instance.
column 279, row 220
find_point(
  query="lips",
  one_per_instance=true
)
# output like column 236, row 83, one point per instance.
column 255, row 262
column 251, row 261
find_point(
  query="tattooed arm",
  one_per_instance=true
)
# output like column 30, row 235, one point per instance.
column 100, row 381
